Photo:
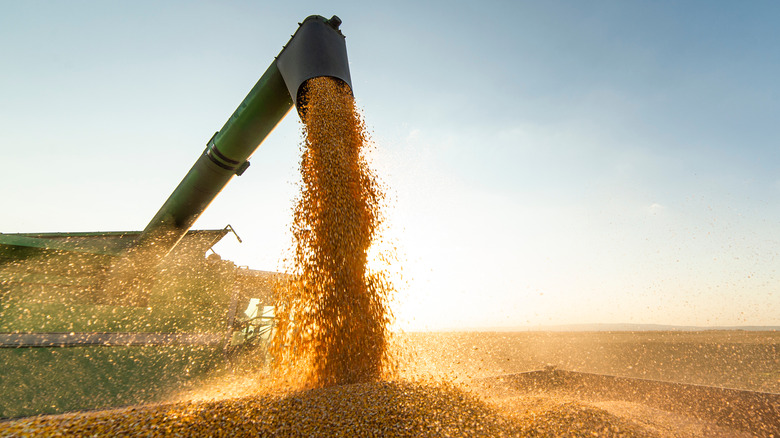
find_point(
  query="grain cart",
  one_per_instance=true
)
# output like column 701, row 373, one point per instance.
column 101, row 319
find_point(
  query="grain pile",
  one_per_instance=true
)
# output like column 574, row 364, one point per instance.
column 382, row 409
column 332, row 312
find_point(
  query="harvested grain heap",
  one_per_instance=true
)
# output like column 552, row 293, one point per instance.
column 383, row 409
column 332, row 313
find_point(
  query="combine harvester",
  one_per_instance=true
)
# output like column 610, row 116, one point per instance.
column 145, row 294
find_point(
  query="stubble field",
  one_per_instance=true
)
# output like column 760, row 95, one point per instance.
column 726, row 358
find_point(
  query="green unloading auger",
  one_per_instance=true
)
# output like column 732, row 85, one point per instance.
column 316, row 49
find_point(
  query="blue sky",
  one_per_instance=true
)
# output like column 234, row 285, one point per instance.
column 551, row 162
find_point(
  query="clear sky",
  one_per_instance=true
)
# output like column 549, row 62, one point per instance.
column 551, row 162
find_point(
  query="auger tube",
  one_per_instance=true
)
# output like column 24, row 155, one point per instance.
column 316, row 49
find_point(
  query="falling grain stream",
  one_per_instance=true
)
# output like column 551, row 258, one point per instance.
column 332, row 314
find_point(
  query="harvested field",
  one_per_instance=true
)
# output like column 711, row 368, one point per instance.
column 725, row 358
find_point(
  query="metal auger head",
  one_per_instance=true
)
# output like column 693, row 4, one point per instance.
column 317, row 48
